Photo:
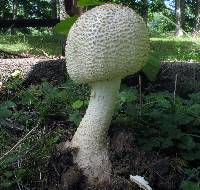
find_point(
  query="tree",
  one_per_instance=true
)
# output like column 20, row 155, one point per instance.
column 63, row 15
column 15, row 7
column 179, row 31
column 197, row 24
column 14, row 11
column 54, row 9
column 145, row 10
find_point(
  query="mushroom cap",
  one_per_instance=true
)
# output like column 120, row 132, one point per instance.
column 108, row 41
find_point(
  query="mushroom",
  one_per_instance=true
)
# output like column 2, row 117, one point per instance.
column 104, row 45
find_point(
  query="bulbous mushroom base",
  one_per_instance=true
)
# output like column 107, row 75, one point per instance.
column 95, row 164
column 91, row 135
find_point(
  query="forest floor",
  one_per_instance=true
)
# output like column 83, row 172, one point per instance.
column 152, row 134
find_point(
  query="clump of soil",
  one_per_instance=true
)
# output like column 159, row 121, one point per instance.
column 126, row 159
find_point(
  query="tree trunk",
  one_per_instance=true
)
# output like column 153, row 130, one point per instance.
column 197, row 24
column 68, row 8
column 54, row 9
column 72, row 9
column 145, row 10
column 63, row 15
column 14, row 10
column 26, row 6
column 76, row 10
column 183, row 13
column 179, row 31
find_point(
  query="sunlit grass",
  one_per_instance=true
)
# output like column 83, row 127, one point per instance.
column 165, row 48
column 35, row 45
column 173, row 48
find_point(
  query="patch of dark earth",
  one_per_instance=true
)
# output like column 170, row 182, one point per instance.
column 127, row 159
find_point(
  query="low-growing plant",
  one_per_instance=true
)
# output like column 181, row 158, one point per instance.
column 35, row 110
column 162, row 123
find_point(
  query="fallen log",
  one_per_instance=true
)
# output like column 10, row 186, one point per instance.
column 186, row 74
column 23, row 23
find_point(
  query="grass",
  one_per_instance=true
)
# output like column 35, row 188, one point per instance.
column 30, row 44
column 173, row 49
column 166, row 48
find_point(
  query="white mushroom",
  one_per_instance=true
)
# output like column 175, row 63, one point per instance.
column 105, row 44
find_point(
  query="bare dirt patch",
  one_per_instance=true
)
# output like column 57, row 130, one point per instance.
column 127, row 160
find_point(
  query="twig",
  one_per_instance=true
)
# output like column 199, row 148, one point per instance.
column 56, row 170
column 20, row 141
column 18, row 183
column 192, row 135
column 45, row 53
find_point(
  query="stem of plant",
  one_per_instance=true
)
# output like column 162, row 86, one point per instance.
column 91, row 135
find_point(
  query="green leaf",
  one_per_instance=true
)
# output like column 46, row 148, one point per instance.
column 8, row 174
column 77, row 104
column 64, row 26
column 55, row 140
column 151, row 144
column 6, row 184
column 188, row 185
column 193, row 154
column 20, row 174
column 75, row 118
column 152, row 68
column 8, row 104
column 16, row 73
column 186, row 142
column 128, row 96
column 9, row 159
column 4, row 112
column 86, row 3
column 194, row 110
column 195, row 97
column 5, row 109
column 167, row 143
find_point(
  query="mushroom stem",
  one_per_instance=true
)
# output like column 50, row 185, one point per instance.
column 91, row 135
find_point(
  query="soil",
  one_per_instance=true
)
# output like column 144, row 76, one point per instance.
column 127, row 159
column 162, row 173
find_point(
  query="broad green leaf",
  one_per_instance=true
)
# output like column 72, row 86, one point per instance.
column 152, row 68
column 77, row 104
column 194, row 110
column 9, row 159
column 86, row 3
column 64, row 26
column 128, row 96
column 75, row 118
